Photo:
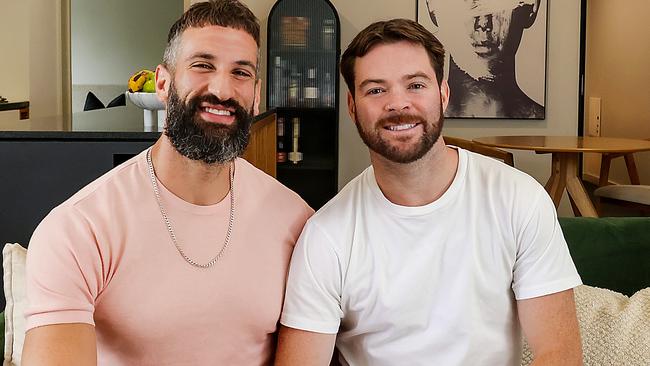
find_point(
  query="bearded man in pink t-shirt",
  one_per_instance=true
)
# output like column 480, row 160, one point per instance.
column 179, row 255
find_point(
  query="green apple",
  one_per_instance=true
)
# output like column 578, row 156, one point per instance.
column 149, row 86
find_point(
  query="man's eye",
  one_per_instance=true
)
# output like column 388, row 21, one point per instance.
column 202, row 66
column 242, row 73
column 375, row 91
column 417, row 86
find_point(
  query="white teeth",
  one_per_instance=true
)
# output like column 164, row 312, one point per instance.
column 401, row 127
column 220, row 112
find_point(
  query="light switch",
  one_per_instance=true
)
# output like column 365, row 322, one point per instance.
column 594, row 117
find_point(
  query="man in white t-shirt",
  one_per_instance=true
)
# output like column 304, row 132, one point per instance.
column 433, row 255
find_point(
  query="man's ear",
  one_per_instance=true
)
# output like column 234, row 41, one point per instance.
column 163, row 83
column 258, row 92
column 352, row 108
column 444, row 94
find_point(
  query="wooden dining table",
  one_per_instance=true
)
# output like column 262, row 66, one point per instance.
column 565, row 152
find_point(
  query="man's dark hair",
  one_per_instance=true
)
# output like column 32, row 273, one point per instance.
column 224, row 13
column 391, row 31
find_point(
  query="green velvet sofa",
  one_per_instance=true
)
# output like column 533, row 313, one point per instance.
column 610, row 253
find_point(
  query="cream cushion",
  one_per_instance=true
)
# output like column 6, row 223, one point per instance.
column 630, row 193
column 615, row 329
column 13, row 264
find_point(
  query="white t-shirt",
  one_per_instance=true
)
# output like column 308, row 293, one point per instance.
column 429, row 285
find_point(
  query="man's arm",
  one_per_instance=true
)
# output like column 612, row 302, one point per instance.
column 60, row 344
column 300, row 347
column 551, row 328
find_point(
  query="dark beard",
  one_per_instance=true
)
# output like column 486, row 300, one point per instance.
column 373, row 139
column 199, row 140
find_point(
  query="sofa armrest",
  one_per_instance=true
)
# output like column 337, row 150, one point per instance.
column 610, row 252
column 2, row 334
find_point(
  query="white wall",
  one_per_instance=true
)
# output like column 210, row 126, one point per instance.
column 618, row 55
column 111, row 40
column 30, row 66
column 14, row 63
column 46, row 65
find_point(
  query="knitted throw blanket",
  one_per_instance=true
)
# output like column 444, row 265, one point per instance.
column 615, row 329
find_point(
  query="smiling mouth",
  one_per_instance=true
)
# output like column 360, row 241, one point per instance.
column 218, row 112
column 402, row 127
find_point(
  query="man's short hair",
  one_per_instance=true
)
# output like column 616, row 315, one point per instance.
column 391, row 31
column 224, row 13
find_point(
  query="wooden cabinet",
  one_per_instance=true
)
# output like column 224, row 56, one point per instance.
column 302, row 86
column 261, row 144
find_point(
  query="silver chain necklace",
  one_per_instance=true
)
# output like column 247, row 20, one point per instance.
column 189, row 260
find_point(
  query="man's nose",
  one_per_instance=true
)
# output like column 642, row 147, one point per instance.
column 398, row 101
column 221, row 85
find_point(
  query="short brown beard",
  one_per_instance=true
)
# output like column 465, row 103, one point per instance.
column 382, row 147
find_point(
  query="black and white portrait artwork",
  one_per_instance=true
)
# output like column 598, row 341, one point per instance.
column 495, row 55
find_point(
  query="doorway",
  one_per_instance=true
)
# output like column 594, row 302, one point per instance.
column 614, row 91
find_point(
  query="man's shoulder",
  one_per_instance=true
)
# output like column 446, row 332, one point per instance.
column 344, row 206
column 110, row 186
column 262, row 188
column 497, row 170
column 504, row 188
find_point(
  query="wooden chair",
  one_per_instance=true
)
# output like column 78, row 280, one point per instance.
column 633, row 195
column 493, row 152
column 606, row 161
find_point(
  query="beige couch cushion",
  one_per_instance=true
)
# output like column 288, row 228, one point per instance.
column 13, row 264
column 615, row 329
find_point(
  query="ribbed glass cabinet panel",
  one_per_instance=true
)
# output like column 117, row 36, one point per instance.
column 303, row 87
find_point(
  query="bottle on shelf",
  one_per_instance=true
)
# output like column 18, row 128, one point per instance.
column 311, row 89
column 295, row 156
column 281, row 153
column 292, row 97
column 300, row 95
column 285, row 83
column 328, row 91
column 327, row 34
column 277, row 97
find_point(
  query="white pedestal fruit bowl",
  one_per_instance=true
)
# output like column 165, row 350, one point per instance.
column 154, row 109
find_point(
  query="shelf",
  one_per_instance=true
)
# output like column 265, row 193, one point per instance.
column 297, row 50
column 8, row 106
column 294, row 110
column 310, row 163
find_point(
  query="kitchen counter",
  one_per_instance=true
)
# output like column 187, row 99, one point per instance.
column 22, row 107
column 92, row 135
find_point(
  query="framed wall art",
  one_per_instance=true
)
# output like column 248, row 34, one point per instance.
column 495, row 60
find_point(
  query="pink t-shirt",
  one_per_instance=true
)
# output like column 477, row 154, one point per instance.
column 105, row 257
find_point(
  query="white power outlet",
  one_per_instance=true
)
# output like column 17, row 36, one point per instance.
column 594, row 118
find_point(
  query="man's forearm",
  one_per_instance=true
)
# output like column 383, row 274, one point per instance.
column 60, row 344
column 559, row 358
